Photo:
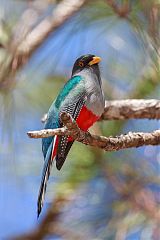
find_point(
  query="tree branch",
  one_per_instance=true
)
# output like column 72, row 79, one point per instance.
column 106, row 143
column 62, row 12
column 26, row 23
column 131, row 109
column 122, row 11
column 19, row 52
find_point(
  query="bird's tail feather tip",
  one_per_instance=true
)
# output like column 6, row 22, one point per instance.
column 39, row 209
column 58, row 167
column 38, row 213
column 59, row 163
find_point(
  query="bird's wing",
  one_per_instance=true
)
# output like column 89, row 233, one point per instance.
column 52, row 122
column 64, row 144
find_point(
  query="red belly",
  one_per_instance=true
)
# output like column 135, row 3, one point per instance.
column 86, row 119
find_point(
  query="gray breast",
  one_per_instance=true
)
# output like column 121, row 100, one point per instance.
column 94, row 98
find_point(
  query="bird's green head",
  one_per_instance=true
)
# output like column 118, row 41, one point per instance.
column 86, row 61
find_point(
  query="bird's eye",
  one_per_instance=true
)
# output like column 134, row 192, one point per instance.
column 81, row 64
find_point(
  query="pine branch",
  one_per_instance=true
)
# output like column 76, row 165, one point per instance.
column 106, row 143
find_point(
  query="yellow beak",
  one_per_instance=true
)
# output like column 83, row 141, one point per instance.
column 94, row 61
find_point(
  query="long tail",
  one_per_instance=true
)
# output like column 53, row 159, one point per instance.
column 45, row 173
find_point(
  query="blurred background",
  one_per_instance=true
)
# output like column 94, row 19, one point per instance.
column 107, row 195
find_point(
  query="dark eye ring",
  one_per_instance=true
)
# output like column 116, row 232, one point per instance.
column 81, row 64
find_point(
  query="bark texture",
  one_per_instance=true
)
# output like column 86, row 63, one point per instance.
column 107, row 143
column 131, row 109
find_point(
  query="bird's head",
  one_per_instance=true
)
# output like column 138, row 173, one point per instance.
column 84, row 62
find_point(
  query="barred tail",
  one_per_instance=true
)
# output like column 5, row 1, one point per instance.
column 45, row 173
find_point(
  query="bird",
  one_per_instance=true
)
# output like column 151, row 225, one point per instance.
column 83, row 98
